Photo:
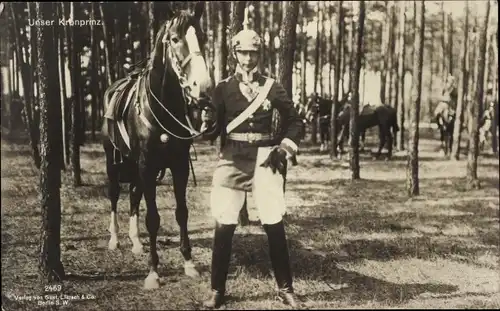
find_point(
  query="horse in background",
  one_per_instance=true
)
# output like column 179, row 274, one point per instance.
column 148, row 128
column 444, row 114
column 321, row 107
column 383, row 116
column 444, row 117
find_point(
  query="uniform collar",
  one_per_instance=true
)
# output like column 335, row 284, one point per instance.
column 247, row 77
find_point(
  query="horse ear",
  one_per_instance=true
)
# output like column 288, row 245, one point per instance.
column 198, row 9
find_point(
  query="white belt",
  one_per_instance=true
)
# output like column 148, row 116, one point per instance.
column 249, row 137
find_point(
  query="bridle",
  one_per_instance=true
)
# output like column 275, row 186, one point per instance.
column 179, row 69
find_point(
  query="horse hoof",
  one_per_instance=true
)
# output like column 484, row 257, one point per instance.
column 137, row 249
column 190, row 270
column 152, row 281
column 113, row 244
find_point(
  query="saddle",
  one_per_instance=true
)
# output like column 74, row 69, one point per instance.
column 122, row 93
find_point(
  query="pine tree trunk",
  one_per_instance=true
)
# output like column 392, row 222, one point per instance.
column 35, row 108
column 287, row 45
column 303, row 54
column 462, row 89
column 317, row 65
column 400, row 142
column 222, row 25
column 209, row 30
column 278, row 17
column 270, row 59
column 384, row 45
column 350, row 47
column 329, row 49
column 50, row 266
column 355, row 74
column 143, row 29
column 494, row 121
column 5, row 41
column 75, row 105
column 444, row 40
column 336, row 79
column 431, row 71
column 26, row 75
column 58, row 68
column 9, row 55
column 62, row 73
column 450, row 44
column 317, row 61
column 258, row 28
column 110, row 74
column 263, row 28
column 390, row 56
column 66, row 39
column 93, row 72
column 412, row 182
column 237, row 16
column 471, row 82
column 321, row 48
column 151, row 25
column 475, row 107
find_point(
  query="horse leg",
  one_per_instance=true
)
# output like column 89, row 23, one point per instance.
column 135, row 200
column 389, row 144
column 340, row 143
column 113, row 194
column 381, row 136
column 180, row 176
column 148, row 182
column 362, row 147
column 322, row 138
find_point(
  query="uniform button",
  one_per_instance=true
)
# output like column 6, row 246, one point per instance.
column 251, row 124
column 250, row 116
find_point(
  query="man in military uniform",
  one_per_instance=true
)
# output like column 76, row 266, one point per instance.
column 253, row 158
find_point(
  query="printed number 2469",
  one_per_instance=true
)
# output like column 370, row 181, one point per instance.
column 53, row 288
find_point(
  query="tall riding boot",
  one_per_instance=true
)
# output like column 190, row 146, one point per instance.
column 280, row 261
column 221, row 256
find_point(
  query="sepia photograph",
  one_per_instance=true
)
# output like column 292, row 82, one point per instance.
column 260, row 155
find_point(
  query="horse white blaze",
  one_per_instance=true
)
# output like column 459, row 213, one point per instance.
column 198, row 76
column 113, row 229
column 133, row 233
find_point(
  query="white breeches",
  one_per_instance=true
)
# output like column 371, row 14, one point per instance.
column 267, row 190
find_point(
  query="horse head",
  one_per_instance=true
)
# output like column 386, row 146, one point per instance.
column 178, row 71
column 180, row 43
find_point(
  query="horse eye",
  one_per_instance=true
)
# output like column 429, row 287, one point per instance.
column 175, row 39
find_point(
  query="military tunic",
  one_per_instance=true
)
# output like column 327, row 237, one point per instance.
column 237, row 160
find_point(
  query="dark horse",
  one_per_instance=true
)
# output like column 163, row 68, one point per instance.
column 382, row 116
column 322, row 107
column 154, row 105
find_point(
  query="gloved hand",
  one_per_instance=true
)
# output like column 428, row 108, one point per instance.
column 276, row 160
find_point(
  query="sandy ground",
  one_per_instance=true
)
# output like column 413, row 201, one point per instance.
column 358, row 244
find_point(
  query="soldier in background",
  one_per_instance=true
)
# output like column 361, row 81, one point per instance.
column 253, row 158
column 487, row 117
